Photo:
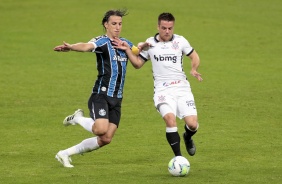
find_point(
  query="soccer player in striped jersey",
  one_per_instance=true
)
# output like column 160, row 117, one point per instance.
column 105, row 101
column 172, row 92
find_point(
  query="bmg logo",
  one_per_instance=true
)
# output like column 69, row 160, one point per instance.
column 166, row 58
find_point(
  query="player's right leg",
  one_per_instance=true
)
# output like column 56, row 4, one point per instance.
column 64, row 159
column 86, row 145
column 172, row 134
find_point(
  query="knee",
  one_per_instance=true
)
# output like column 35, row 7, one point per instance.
column 100, row 128
column 99, row 131
column 105, row 140
column 191, row 122
column 193, row 125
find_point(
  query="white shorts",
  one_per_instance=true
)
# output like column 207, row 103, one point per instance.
column 176, row 100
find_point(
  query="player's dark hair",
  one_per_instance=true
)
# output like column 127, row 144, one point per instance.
column 166, row 16
column 109, row 13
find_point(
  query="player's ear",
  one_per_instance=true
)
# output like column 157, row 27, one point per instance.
column 106, row 25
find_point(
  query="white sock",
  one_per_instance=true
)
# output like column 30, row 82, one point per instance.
column 86, row 145
column 86, row 123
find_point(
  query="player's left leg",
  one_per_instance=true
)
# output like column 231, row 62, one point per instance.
column 69, row 120
column 186, row 109
column 172, row 134
column 191, row 127
column 78, row 118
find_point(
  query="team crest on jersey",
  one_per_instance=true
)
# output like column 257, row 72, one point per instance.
column 161, row 98
column 175, row 45
column 102, row 112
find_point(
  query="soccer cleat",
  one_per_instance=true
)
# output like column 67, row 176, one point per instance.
column 64, row 159
column 190, row 146
column 69, row 119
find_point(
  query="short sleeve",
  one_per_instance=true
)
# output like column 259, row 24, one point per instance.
column 187, row 49
column 144, row 54
column 96, row 43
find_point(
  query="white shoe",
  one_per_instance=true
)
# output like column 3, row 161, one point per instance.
column 69, row 119
column 64, row 159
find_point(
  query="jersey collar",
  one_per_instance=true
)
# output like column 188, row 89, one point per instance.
column 156, row 35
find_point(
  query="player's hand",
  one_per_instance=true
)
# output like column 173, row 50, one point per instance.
column 119, row 44
column 194, row 73
column 144, row 46
column 63, row 48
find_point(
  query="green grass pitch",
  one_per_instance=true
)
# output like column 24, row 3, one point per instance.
column 239, row 101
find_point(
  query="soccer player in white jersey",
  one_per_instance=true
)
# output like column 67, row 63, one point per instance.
column 172, row 95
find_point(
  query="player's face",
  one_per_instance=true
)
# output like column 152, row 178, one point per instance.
column 165, row 30
column 113, row 26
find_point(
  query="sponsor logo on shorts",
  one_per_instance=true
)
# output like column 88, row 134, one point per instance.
column 191, row 103
column 102, row 112
column 103, row 88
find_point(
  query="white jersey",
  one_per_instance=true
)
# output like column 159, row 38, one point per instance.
column 167, row 58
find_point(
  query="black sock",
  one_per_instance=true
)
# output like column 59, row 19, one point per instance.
column 173, row 139
column 188, row 133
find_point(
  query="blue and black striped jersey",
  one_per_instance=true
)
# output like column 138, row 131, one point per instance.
column 111, row 66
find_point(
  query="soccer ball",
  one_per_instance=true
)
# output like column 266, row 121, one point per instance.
column 178, row 166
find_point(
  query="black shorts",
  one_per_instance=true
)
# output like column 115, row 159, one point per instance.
column 102, row 106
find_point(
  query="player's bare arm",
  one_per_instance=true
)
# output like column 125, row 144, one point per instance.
column 79, row 47
column 195, row 62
